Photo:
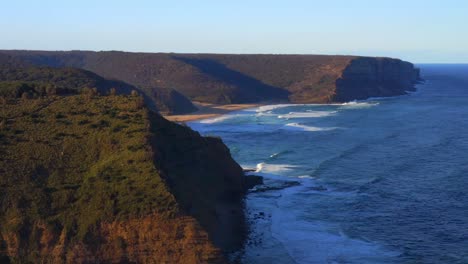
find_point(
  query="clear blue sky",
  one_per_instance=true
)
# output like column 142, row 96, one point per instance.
column 415, row 30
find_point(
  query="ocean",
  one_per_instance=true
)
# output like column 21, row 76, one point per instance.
column 377, row 181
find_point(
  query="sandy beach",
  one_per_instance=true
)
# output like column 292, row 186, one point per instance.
column 206, row 110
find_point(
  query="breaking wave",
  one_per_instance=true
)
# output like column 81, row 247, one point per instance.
column 301, row 127
column 309, row 114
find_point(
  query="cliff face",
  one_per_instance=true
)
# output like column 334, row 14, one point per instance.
column 205, row 180
column 375, row 77
column 102, row 180
column 148, row 239
column 169, row 101
column 225, row 78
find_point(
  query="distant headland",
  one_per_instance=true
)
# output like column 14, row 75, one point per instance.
column 171, row 81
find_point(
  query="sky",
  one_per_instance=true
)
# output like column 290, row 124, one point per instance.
column 414, row 30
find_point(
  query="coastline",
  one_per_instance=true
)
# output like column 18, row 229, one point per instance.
column 261, row 244
column 206, row 110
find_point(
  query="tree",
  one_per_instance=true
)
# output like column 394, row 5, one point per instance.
column 25, row 96
column 134, row 93
column 3, row 103
column 50, row 90
column 89, row 93
column 3, row 123
column 112, row 91
column 140, row 102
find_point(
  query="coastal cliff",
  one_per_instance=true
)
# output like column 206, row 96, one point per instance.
column 100, row 179
column 88, row 178
column 375, row 77
column 171, row 80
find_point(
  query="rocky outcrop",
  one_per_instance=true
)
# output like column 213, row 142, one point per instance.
column 252, row 181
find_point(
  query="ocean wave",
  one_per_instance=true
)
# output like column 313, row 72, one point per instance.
column 301, row 127
column 358, row 104
column 216, row 119
column 308, row 114
column 262, row 114
column 352, row 104
column 267, row 108
column 274, row 155
column 274, row 168
column 306, row 177
column 278, row 154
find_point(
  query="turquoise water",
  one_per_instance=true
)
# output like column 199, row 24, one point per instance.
column 380, row 181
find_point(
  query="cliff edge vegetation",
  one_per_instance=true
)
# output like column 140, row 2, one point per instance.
column 86, row 178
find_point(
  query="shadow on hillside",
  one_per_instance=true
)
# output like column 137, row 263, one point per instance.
column 249, row 88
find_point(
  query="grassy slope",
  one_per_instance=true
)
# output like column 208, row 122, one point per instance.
column 82, row 162
column 72, row 163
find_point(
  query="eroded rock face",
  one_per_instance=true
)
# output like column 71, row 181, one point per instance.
column 375, row 77
column 149, row 239
column 205, row 180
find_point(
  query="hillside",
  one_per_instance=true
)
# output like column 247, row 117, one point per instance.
column 224, row 79
column 18, row 76
column 102, row 179
column 42, row 81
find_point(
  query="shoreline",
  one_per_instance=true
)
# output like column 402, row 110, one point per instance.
column 207, row 110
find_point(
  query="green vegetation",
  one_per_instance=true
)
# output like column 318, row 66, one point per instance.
column 71, row 162
column 27, row 82
column 45, row 81
column 92, row 174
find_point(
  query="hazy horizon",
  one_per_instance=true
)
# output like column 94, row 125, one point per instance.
column 417, row 31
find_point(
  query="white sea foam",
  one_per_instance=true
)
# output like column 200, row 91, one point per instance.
column 267, row 108
column 358, row 104
column 274, row 168
column 274, row 155
column 267, row 113
column 352, row 104
column 305, row 177
column 309, row 114
column 216, row 119
column 301, row 127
